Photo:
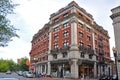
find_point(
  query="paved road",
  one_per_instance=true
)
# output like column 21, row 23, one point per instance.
column 14, row 75
column 22, row 78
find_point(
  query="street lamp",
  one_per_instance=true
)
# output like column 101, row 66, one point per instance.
column 115, row 56
column 35, row 61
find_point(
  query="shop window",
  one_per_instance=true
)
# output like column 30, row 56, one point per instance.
column 65, row 34
column 65, row 25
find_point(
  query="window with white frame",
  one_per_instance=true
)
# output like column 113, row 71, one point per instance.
column 56, row 46
column 81, row 34
column 56, row 29
column 88, row 38
column 80, row 25
column 65, row 44
column 65, row 34
column 65, row 25
column 81, row 44
column 56, row 37
column 88, row 29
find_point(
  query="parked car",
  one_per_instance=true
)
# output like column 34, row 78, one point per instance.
column 24, row 74
column 8, row 72
column 29, row 75
column 114, row 77
column 9, row 79
column 20, row 73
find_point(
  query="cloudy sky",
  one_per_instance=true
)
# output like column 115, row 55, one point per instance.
column 31, row 15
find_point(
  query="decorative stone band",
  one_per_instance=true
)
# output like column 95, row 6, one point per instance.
column 115, row 15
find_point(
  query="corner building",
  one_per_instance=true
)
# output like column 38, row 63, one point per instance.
column 71, row 44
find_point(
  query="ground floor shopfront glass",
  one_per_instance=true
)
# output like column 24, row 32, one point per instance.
column 60, row 69
column 86, row 70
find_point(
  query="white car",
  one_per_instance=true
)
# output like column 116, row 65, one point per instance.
column 29, row 75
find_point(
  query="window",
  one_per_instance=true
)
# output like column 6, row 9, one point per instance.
column 65, row 44
column 96, row 42
column 90, row 56
column 55, row 56
column 89, row 46
column 80, row 15
column 82, row 55
column 44, row 43
column 81, row 34
column 56, row 46
column 87, row 20
column 88, row 29
column 81, row 44
column 88, row 38
column 56, row 20
column 65, row 15
column 56, row 37
column 65, row 34
column 56, row 29
column 80, row 25
column 64, row 54
column 95, row 33
column 65, row 25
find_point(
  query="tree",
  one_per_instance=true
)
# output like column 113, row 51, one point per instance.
column 7, row 31
column 23, row 65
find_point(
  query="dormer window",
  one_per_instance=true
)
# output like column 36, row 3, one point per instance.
column 65, row 15
column 56, row 20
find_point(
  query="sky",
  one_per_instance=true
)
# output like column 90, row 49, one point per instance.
column 31, row 15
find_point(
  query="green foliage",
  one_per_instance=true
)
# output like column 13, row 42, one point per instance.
column 7, row 31
column 6, row 65
column 23, row 65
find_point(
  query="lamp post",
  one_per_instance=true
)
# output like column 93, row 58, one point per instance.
column 35, row 61
column 115, row 56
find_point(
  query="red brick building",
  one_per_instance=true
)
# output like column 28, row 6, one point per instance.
column 71, row 43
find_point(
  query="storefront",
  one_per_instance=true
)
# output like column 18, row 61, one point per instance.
column 86, row 69
column 60, row 68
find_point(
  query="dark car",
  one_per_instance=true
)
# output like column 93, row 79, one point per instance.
column 114, row 77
